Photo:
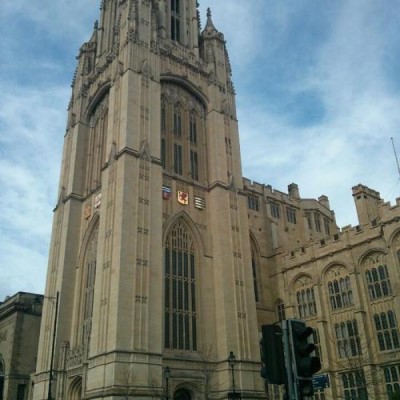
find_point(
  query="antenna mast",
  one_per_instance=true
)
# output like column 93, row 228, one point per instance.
column 395, row 154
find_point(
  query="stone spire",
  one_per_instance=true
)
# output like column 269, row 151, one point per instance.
column 210, row 27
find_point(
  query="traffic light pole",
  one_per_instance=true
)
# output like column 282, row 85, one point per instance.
column 304, row 364
column 286, row 357
column 290, row 385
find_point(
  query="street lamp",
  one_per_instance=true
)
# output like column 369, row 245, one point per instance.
column 167, row 375
column 52, row 344
column 232, row 362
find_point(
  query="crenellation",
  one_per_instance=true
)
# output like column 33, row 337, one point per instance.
column 348, row 235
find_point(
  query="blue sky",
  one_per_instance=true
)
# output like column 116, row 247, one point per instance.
column 318, row 98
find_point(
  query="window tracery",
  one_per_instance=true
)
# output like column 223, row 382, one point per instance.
column 347, row 339
column 98, row 123
column 377, row 276
column 180, row 289
column 392, row 379
column 89, row 284
column 182, row 138
column 305, row 297
column 339, row 288
column 387, row 330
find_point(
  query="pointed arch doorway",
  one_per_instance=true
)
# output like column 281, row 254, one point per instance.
column 75, row 391
column 182, row 394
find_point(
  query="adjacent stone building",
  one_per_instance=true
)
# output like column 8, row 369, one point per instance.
column 344, row 283
column 19, row 335
column 167, row 261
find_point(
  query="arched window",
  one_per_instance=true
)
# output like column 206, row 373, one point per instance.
column 193, row 128
column 392, row 380
column 180, row 289
column 194, row 166
column 354, row 385
column 347, row 339
column 377, row 276
column 98, row 122
column 340, row 293
column 177, row 122
column 163, row 117
column 182, row 394
column 378, row 282
column 182, row 132
column 387, row 331
column 178, row 165
column 88, row 285
column 305, row 298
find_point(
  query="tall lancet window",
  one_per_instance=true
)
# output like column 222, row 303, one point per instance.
column 183, row 138
column 176, row 20
column 88, row 286
column 180, row 289
column 98, row 123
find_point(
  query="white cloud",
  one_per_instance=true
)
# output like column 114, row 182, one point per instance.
column 23, row 268
column 290, row 60
column 31, row 135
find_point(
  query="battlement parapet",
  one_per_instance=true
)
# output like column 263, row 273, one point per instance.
column 321, row 204
column 387, row 211
column 349, row 236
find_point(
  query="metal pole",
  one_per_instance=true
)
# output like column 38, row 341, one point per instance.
column 290, row 386
column 233, row 382
column 167, row 375
column 52, row 348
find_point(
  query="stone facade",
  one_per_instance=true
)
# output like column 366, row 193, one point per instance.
column 149, row 249
column 19, row 335
column 344, row 283
column 165, row 258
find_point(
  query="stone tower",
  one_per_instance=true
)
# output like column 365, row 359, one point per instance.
column 150, row 249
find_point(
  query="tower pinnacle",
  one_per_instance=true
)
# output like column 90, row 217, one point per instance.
column 210, row 27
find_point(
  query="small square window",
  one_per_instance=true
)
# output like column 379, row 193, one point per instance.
column 253, row 203
column 291, row 215
column 275, row 210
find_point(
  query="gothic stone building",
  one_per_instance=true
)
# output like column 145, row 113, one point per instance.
column 19, row 336
column 344, row 283
column 165, row 258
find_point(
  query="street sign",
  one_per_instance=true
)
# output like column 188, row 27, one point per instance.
column 320, row 381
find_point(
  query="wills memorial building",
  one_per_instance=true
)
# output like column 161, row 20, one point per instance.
column 167, row 260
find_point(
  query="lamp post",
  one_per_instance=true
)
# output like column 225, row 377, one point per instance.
column 167, row 375
column 53, row 344
column 232, row 362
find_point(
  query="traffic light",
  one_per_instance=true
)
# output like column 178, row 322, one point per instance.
column 272, row 355
column 304, row 365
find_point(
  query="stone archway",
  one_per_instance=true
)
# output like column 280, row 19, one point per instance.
column 182, row 394
column 75, row 390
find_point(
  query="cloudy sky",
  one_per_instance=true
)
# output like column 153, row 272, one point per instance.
column 318, row 95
